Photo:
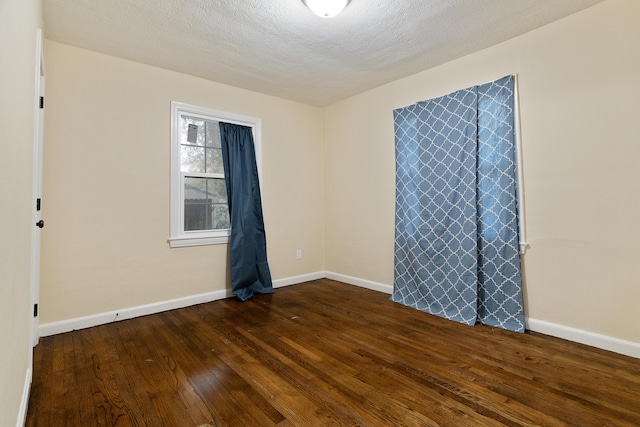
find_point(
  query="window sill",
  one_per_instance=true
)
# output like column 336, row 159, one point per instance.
column 182, row 242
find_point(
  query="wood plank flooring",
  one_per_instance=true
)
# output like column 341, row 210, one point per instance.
column 323, row 353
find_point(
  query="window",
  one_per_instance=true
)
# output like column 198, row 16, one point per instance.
column 199, row 211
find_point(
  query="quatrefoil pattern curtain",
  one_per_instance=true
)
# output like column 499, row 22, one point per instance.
column 456, row 224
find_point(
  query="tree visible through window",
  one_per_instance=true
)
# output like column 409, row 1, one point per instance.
column 205, row 194
column 199, row 207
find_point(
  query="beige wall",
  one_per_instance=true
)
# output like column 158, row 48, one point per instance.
column 579, row 90
column 18, row 22
column 107, row 177
column 328, row 183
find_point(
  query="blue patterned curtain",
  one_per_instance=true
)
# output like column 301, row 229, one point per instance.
column 248, row 246
column 456, row 236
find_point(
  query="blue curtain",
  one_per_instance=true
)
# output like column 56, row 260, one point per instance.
column 248, row 247
column 456, row 236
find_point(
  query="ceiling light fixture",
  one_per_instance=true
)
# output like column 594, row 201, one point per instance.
column 326, row 8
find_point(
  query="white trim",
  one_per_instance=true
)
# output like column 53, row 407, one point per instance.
column 522, row 220
column 182, row 242
column 177, row 236
column 34, row 277
column 24, row 403
column 363, row 283
column 628, row 348
column 68, row 325
column 279, row 283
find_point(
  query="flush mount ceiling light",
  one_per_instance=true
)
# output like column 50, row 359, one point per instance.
column 326, row 8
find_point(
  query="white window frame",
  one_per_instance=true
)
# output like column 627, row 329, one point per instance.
column 178, row 236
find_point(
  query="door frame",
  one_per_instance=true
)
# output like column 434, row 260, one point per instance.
column 38, row 144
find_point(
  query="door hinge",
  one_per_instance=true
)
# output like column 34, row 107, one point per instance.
column 35, row 310
column 41, row 102
column 37, row 204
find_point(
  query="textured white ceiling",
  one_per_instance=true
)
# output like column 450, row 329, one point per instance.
column 279, row 47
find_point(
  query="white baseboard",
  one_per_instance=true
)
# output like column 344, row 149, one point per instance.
column 52, row 328
column 24, row 403
column 604, row 342
column 279, row 283
column 628, row 348
column 68, row 325
column 363, row 283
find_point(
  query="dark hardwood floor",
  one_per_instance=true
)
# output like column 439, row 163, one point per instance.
column 319, row 354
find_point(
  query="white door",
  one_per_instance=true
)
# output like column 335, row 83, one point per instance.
column 38, row 223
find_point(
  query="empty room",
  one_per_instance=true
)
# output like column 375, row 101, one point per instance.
column 310, row 213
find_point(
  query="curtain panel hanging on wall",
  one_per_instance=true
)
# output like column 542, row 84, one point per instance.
column 248, row 246
column 456, row 225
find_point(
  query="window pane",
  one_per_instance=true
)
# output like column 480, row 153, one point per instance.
column 195, row 216
column 192, row 131
column 220, row 217
column 217, row 190
column 213, row 134
column 214, row 160
column 205, row 204
column 192, row 159
column 195, row 189
column 200, row 148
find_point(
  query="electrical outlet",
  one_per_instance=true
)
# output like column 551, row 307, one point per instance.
column 299, row 254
